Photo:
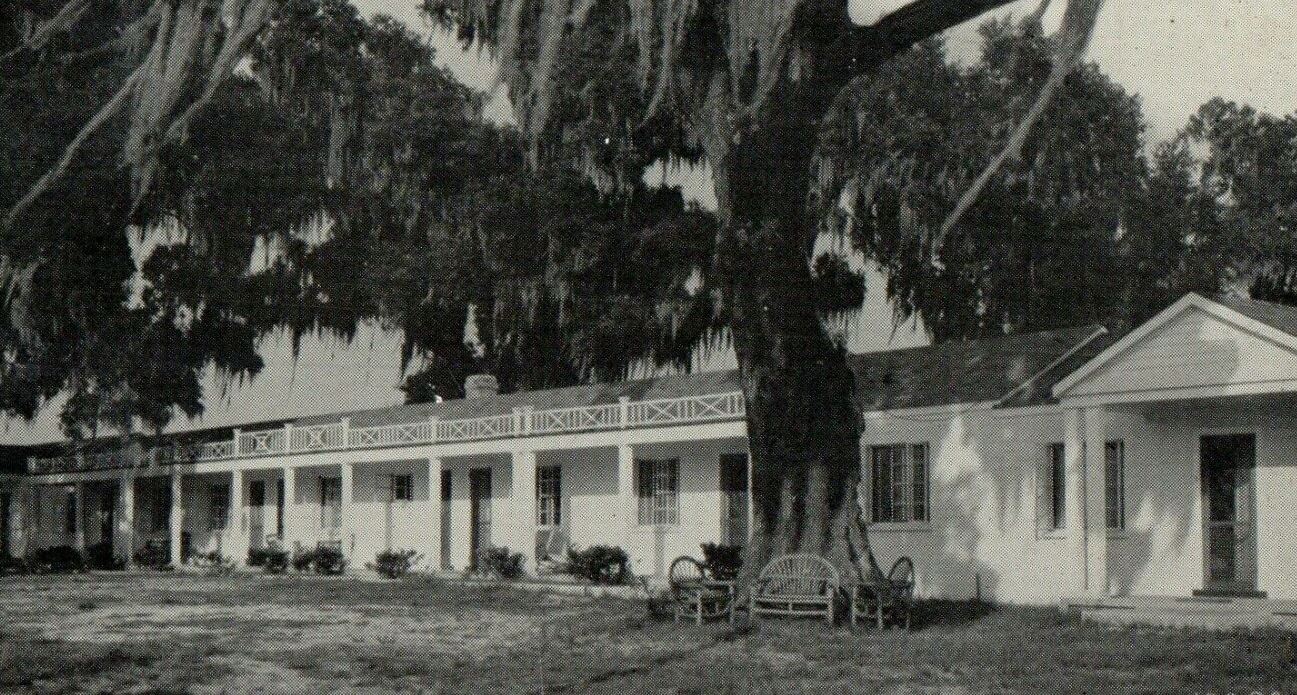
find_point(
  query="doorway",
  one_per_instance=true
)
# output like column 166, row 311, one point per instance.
column 1229, row 513
column 734, row 499
column 479, row 485
column 445, row 520
column 256, row 514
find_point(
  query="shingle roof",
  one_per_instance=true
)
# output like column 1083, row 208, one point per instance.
column 955, row 372
column 972, row 371
column 673, row 386
column 1279, row 316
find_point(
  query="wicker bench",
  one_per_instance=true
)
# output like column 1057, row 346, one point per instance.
column 888, row 597
column 697, row 597
column 798, row 585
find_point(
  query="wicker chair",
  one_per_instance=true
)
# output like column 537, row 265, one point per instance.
column 889, row 597
column 798, row 585
column 696, row 597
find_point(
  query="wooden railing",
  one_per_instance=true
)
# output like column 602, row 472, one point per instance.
column 335, row 436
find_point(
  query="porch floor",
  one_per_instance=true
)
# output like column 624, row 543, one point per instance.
column 1209, row 612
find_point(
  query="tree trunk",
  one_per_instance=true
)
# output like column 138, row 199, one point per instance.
column 801, row 414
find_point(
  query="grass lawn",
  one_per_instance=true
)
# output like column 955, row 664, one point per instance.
column 174, row 633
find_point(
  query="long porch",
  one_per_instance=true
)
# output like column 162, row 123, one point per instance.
column 658, row 494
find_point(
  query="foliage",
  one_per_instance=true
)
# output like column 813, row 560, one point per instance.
column 215, row 563
column 100, row 557
column 274, row 560
column 1248, row 169
column 722, row 562
column 10, row 565
column 394, row 564
column 501, row 562
column 153, row 555
column 600, row 564
column 59, row 559
column 325, row 559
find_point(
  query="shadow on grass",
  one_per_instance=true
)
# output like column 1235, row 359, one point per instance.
column 950, row 614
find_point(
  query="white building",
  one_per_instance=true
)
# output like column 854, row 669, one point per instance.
column 1030, row 468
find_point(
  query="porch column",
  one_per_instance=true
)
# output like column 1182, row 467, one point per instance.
column 523, row 491
column 177, row 520
column 627, row 503
column 79, row 517
column 1096, row 507
column 236, row 526
column 125, row 543
column 18, row 519
column 288, row 508
column 1074, row 497
column 433, row 514
column 347, row 531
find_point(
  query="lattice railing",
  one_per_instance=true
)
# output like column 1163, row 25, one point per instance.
column 595, row 417
column 340, row 435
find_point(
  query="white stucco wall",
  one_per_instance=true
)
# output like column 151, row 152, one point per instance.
column 984, row 535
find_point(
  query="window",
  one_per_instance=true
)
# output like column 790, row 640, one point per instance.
column 1114, row 461
column 1055, row 488
column 400, row 488
column 219, row 507
column 549, row 495
column 900, row 483
column 330, row 503
column 70, row 522
column 659, row 492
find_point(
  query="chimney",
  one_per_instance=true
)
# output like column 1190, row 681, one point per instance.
column 478, row 385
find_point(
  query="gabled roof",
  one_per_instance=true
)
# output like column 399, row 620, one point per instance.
column 1018, row 368
column 1276, row 322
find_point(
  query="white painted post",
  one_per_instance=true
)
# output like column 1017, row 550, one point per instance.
column 433, row 510
column 177, row 517
column 433, row 427
column 236, row 526
column 346, row 433
column 526, row 419
column 1096, row 507
column 289, row 504
column 624, row 415
column 237, row 432
column 126, row 524
column 523, row 498
column 347, row 532
column 628, row 502
column 79, row 517
column 288, row 438
column 1074, row 496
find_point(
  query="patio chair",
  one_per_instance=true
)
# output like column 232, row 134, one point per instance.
column 890, row 597
column 798, row 586
column 695, row 596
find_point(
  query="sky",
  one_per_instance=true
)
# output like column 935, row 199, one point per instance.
column 1174, row 54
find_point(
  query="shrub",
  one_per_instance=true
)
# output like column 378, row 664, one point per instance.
column 274, row 560
column 394, row 564
column 502, row 563
column 12, row 565
column 303, row 559
column 330, row 560
column 257, row 556
column 722, row 562
column 60, row 559
column 100, row 556
column 600, row 564
column 215, row 563
column 322, row 560
column 154, row 555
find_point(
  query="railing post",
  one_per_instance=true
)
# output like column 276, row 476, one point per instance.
column 237, row 433
column 432, row 423
column 517, row 420
column 624, row 416
column 526, row 419
column 346, row 433
column 288, row 437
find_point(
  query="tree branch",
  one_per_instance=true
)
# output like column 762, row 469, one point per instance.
column 899, row 30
